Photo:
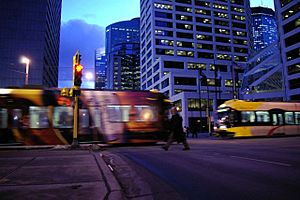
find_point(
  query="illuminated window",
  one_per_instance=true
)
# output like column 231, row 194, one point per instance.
column 191, row 65
column 163, row 6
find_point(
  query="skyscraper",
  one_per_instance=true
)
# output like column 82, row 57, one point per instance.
column 288, row 16
column 122, row 49
column 189, row 50
column 124, row 67
column 31, row 29
column 264, row 27
column 100, row 70
column 122, row 32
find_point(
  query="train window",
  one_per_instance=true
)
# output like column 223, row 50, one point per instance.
column 3, row 118
column 16, row 117
column 96, row 115
column 83, row 118
column 118, row 113
column 38, row 117
column 262, row 116
column 63, row 117
column 247, row 116
column 146, row 113
column 297, row 117
column 289, row 117
column 277, row 119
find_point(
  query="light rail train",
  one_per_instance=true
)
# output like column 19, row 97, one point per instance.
column 237, row 118
column 44, row 117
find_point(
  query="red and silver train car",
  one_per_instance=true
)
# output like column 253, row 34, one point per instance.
column 39, row 116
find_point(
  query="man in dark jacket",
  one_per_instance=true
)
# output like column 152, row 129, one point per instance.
column 177, row 133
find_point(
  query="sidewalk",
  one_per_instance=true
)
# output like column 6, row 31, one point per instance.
column 56, row 173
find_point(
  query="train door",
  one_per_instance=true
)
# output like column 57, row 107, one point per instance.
column 278, row 122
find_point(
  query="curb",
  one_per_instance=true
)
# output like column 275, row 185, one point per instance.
column 115, row 190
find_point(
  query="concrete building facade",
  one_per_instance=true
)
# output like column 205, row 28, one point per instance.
column 288, row 17
column 190, row 50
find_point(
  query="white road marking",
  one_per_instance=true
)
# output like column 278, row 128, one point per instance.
column 264, row 161
column 110, row 167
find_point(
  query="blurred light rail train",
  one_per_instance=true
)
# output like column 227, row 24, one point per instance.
column 237, row 118
column 44, row 117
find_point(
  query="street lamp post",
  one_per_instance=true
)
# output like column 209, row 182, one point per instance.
column 26, row 61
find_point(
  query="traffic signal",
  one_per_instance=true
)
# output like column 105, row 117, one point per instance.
column 64, row 92
column 78, row 75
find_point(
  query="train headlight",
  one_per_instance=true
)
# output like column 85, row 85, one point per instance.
column 147, row 115
column 223, row 126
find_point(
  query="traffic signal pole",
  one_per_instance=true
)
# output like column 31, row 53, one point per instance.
column 77, row 75
column 75, row 142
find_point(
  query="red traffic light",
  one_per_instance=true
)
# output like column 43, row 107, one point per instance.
column 78, row 75
column 78, row 68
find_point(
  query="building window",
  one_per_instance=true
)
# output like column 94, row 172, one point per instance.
column 202, row 12
column 204, row 37
column 165, row 83
column 205, row 55
column 174, row 64
column 191, row 65
column 223, row 40
column 293, row 54
column 223, row 48
column 165, row 52
column 204, row 29
column 164, row 42
column 184, row 17
column 164, row 33
column 223, row 57
column 294, row 69
column 203, row 20
column 163, row 15
column 205, row 46
column 184, row 9
column 185, row 35
column 164, row 24
column 185, row 81
column 185, row 53
column 163, row 6
column 184, row 26
column 185, row 44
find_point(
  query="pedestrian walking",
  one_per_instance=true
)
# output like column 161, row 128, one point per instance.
column 177, row 133
column 194, row 132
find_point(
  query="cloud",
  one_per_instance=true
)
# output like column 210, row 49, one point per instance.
column 78, row 35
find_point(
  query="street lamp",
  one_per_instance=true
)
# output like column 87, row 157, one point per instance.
column 26, row 61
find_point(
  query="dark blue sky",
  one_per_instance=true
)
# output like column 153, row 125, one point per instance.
column 83, row 28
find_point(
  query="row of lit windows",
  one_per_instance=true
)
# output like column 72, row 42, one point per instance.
column 198, row 19
column 291, row 11
column 211, row 82
column 169, row 24
column 206, row 55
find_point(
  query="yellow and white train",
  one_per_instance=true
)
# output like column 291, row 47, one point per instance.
column 238, row 118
